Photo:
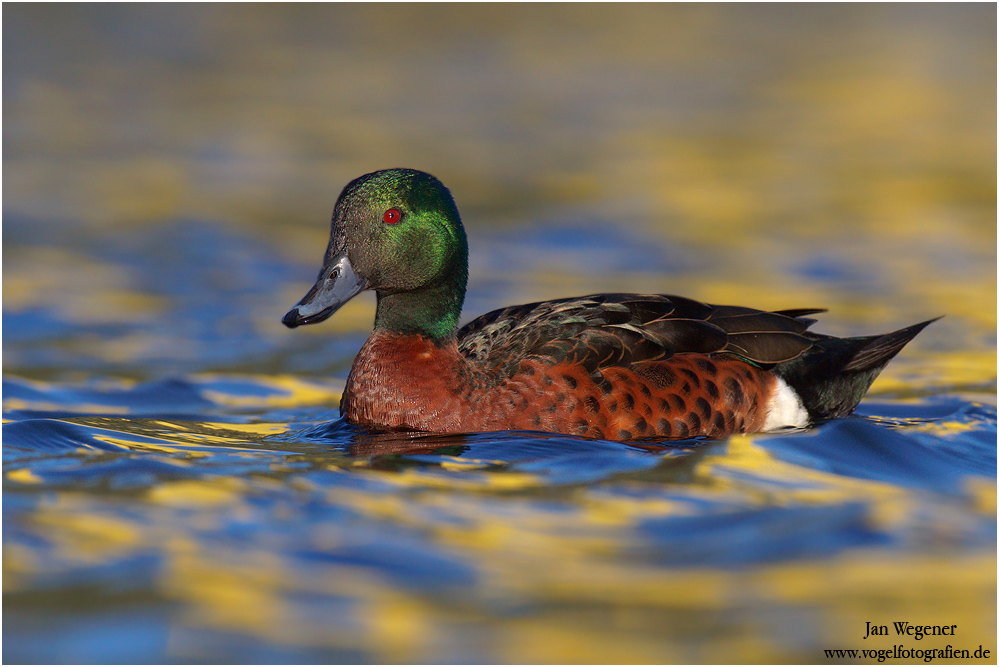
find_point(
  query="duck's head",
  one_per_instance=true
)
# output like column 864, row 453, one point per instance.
column 397, row 232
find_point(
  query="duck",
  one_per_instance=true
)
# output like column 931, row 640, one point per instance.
column 608, row 366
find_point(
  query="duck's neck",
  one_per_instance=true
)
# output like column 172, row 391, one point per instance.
column 431, row 311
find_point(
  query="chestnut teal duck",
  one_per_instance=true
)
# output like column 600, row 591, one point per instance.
column 612, row 366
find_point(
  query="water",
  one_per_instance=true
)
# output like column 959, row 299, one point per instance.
column 178, row 486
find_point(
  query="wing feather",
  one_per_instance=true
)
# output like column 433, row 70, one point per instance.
column 603, row 330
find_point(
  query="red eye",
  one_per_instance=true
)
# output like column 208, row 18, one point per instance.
column 392, row 216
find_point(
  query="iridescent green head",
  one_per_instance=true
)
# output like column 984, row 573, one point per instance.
column 397, row 232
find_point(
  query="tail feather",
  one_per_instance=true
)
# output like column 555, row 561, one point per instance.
column 881, row 349
column 835, row 373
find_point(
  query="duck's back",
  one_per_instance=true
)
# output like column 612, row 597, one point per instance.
column 604, row 330
column 628, row 366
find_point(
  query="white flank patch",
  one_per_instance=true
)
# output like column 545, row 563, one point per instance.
column 785, row 410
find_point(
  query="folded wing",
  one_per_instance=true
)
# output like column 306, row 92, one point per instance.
column 603, row 330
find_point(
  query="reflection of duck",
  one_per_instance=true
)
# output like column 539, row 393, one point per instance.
column 616, row 366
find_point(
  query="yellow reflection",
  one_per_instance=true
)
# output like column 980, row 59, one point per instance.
column 19, row 564
column 82, row 289
column 230, row 592
column 959, row 369
column 398, row 627
column 612, row 510
column 289, row 391
column 51, row 406
column 197, row 493
column 983, row 495
column 258, row 428
column 502, row 480
column 92, row 538
column 24, row 476
column 794, row 484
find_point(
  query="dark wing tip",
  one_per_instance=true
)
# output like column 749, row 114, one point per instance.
column 800, row 312
column 771, row 347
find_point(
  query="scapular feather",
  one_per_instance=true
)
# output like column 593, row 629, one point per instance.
column 604, row 330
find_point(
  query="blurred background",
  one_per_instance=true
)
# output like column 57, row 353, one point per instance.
column 169, row 174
